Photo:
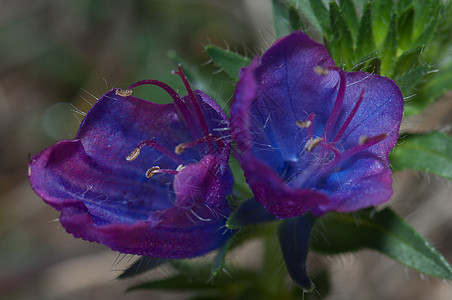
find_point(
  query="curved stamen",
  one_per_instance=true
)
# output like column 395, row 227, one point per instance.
column 191, row 95
column 209, row 138
column 177, row 100
column 337, row 104
column 364, row 143
column 309, row 125
column 349, row 118
column 134, row 154
column 156, row 170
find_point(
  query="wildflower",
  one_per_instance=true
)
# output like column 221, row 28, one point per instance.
column 310, row 136
column 140, row 177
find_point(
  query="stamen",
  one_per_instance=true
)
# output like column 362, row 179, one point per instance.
column 133, row 155
column 364, row 143
column 303, row 124
column 337, row 104
column 156, row 170
column 152, row 171
column 123, row 93
column 321, row 70
column 156, row 146
column 201, row 119
column 310, row 145
column 308, row 125
column 363, row 139
column 349, row 118
column 183, row 146
column 179, row 168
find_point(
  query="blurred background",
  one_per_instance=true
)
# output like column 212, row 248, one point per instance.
column 57, row 57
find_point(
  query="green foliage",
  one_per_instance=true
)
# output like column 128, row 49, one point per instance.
column 382, row 231
column 431, row 153
column 142, row 265
column 230, row 62
column 406, row 39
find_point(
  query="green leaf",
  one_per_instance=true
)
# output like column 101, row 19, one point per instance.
column 431, row 153
column 310, row 21
column 322, row 15
column 382, row 11
column 437, row 84
column 383, row 231
column 200, row 283
column 280, row 18
column 348, row 9
column 218, row 261
column 429, row 17
column 142, row 265
column 365, row 43
column 411, row 78
column 408, row 60
column 389, row 47
column 405, row 25
column 341, row 41
column 295, row 19
column 230, row 62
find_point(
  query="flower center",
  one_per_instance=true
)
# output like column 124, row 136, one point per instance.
column 189, row 118
column 322, row 152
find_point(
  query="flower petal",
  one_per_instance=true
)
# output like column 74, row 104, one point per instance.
column 105, row 198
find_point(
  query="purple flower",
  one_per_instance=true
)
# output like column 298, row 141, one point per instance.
column 310, row 136
column 140, row 177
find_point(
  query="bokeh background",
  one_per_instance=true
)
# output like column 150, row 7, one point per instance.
column 58, row 56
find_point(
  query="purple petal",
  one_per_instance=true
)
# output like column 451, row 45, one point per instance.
column 283, row 166
column 105, row 198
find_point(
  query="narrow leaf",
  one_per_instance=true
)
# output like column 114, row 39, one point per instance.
column 280, row 18
column 431, row 153
column 383, row 231
column 230, row 62
column 408, row 60
column 294, row 236
column 295, row 19
column 341, row 41
column 437, row 84
column 425, row 11
column 348, row 9
column 218, row 261
column 322, row 15
column 429, row 26
column 365, row 43
column 141, row 265
column 249, row 212
column 382, row 11
column 312, row 26
column 408, row 81
column 389, row 47
column 405, row 25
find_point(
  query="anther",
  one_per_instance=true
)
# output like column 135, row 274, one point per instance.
column 180, row 148
column 124, row 93
column 304, row 124
column 321, row 70
column 152, row 171
column 310, row 145
column 179, row 168
column 363, row 139
column 133, row 155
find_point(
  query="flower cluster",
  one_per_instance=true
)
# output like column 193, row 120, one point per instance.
column 152, row 179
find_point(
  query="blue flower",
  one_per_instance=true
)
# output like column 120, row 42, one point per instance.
column 140, row 177
column 310, row 136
